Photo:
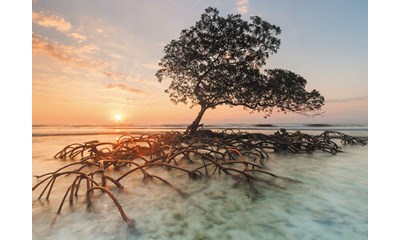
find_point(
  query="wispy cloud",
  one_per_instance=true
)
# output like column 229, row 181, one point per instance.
column 59, row 23
column 116, row 56
column 242, row 6
column 78, row 56
column 77, row 36
column 49, row 20
column 117, row 75
column 81, row 57
column 124, row 88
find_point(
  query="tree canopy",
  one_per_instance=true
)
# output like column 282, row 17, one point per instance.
column 220, row 61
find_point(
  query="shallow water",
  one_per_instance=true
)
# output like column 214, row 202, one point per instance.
column 330, row 203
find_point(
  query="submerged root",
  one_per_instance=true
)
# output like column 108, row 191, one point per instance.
column 235, row 153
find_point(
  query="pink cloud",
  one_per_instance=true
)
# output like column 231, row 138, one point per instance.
column 78, row 56
column 242, row 6
column 77, row 36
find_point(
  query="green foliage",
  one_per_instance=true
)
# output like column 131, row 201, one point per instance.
column 219, row 61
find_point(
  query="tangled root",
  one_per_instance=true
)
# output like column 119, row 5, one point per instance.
column 232, row 152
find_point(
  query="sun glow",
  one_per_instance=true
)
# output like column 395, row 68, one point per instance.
column 117, row 118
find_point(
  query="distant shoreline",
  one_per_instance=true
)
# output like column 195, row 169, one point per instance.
column 214, row 125
column 113, row 130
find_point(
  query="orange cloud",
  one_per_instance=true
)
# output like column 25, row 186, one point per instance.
column 78, row 56
column 81, row 57
column 123, row 77
column 78, row 37
column 47, row 20
column 124, row 88
column 116, row 75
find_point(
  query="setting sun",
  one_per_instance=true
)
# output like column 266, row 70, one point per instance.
column 117, row 117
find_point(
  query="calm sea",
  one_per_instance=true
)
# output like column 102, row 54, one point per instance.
column 331, row 202
column 56, row 130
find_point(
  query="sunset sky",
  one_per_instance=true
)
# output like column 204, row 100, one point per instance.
column 93, row 60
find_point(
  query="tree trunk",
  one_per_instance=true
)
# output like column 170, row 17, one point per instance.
column 192, row 128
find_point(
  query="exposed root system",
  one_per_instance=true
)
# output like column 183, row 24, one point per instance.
column 233, row 152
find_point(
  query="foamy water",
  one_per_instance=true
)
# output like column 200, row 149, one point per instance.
column 330, row 203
